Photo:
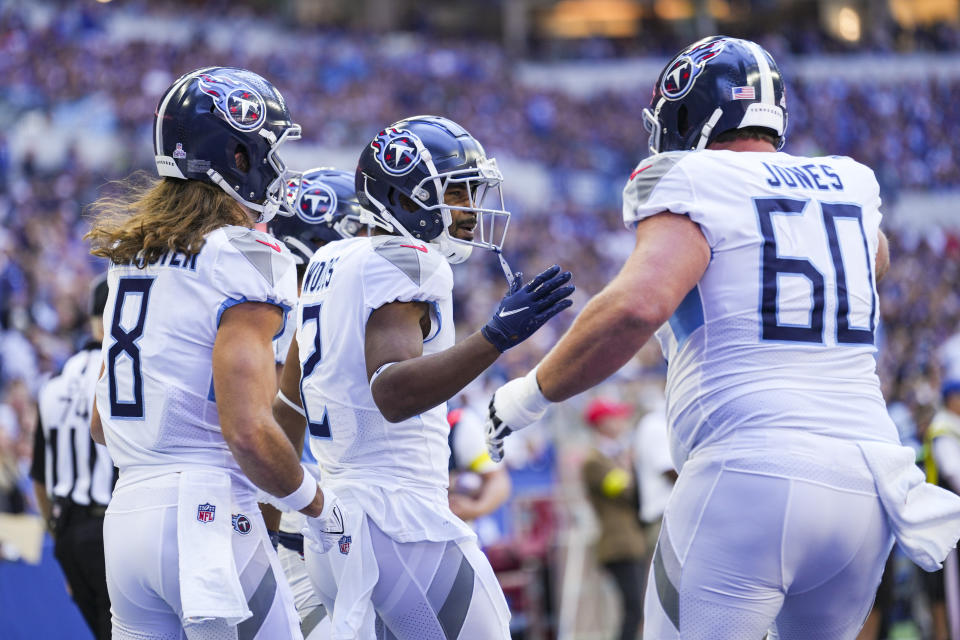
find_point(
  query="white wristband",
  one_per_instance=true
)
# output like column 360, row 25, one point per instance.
column 533, row 399
column 380, row 370
column 520, row 402
column 304, row 495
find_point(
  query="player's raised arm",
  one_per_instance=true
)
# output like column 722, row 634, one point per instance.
column 668, row 260
column 404, row 383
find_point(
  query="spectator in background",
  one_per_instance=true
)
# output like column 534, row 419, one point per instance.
column 655, row 470
column 611, row 483
column 944, row 438
column 478, row 485
column 943, row 468
column 74, row 476
column 17, row 415
column 11, row 498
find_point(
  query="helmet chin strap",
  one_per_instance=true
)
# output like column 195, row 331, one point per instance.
column 291, row 241
column 507, row 271
column 455, row 252
column 708, row 128
column 266, row 211
column 381, row 218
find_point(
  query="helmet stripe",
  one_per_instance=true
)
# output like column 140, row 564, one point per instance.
column 766, row 77
column 162, row 109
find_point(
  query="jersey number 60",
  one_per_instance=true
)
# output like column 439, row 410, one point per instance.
column 775, row 265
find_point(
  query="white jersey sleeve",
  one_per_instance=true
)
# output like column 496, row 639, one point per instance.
column 658, row 184
column 281, row 344
column 402, row 270
column 255, row 267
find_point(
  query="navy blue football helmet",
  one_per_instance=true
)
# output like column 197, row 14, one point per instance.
column 223, row 126
column 326, row 209
column 713, row 86
column 405, row 171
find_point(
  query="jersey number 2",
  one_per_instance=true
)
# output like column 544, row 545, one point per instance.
column 774, row 265
column 317, row 429
column 125, row 343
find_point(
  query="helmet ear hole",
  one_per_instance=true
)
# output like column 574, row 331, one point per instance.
column 241, row 158
column 683, row 123
column 407, row 203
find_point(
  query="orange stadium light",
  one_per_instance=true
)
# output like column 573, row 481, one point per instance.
column 910, row 13
column 584, row 18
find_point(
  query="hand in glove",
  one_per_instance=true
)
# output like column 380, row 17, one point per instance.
column 325, row 531
column 526, row 308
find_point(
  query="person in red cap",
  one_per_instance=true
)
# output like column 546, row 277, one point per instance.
column 609, row 476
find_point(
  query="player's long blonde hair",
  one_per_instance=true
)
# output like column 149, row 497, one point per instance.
column 146, row 217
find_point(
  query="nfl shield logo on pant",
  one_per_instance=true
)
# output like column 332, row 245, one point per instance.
column 345, row 544
column 206, row 512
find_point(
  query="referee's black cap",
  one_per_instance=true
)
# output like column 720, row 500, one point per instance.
column 98, row 295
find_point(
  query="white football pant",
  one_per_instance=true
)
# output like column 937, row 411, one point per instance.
column 743, row 551
column 140, row 544
column 413, row 590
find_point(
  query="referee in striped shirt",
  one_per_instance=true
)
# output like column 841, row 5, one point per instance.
column 73, row 476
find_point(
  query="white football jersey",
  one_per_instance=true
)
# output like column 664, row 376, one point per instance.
column 779, row 332
column 350, row 438
column 156, row 399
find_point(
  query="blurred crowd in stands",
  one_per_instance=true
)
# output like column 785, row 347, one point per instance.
column 70, row 72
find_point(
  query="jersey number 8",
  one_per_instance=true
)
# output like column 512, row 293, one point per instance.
column 125, row 344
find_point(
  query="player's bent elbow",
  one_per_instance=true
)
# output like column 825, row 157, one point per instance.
column 242, row 437
column 392, row 402
column 391, row 411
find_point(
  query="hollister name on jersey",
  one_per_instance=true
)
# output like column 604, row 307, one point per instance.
column 169, row 259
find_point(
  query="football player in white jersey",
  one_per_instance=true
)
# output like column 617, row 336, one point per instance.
column 326, row 210
column 184, row 405
column 757, row 270
column 375, row 344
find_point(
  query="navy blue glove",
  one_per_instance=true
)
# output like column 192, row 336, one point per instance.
column 525, row 308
